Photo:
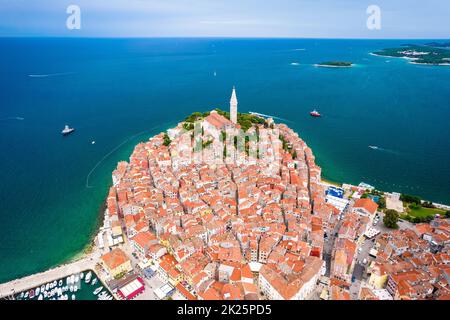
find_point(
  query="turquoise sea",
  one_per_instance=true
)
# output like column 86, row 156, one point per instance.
column 121, row 91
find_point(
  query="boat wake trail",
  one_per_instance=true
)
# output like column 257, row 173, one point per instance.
column 12, row 118
column 50, row 75
column 384, row 150
column 268, row 116
column 110, row 153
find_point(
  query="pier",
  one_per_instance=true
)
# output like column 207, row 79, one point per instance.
column 10, row 288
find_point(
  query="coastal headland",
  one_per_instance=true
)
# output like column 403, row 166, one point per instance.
column 229, row 205
column 431, row 54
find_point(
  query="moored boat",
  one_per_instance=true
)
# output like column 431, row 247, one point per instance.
column 97, row 291
column 88, row 277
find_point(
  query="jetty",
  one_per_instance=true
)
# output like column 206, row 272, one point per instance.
column 13, row 287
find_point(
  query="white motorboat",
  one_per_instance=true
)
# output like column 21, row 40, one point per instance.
column 104, row 296
column 47, row 286
column 67, row 130
column 60, row 283
column 75, row 288
column 37, row 291
column 73, row 297
column 94, row 281
column 81, row 275
column 97, row 291
column 71, row 288
column 40, row 297
column 88, row 277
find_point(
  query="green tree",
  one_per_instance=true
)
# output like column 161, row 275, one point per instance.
column 410, row 199
column 167, row 140
column 428, row 204
column 390, row 219
column 382, row 203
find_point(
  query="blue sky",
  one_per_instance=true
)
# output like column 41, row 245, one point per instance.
column 227, row 18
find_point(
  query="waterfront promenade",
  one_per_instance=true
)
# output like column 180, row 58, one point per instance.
column 15, row 286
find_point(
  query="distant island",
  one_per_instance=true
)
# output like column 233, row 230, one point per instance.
column 438, row 44
column 428, row 54
column 335, row 64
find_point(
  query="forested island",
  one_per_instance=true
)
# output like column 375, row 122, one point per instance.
column 418, row 54
column 335, row 64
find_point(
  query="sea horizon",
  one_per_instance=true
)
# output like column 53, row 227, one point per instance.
column 213, row 37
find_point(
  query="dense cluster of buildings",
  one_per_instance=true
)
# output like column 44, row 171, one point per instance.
column 258, row 229
column 413, row 263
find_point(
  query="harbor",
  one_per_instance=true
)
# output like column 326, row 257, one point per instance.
column 72, row 281
column 80, row 286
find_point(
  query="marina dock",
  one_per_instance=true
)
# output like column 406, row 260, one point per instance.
column 10, row 288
